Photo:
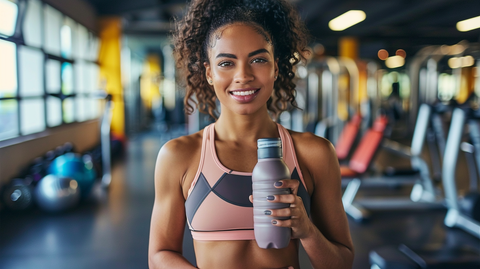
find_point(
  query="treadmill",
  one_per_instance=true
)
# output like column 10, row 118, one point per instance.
column 447, row 256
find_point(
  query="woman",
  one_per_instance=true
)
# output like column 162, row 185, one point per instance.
column 242, row 54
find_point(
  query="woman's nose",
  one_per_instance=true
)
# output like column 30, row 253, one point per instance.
column 244, row 74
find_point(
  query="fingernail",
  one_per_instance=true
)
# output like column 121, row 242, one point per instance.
column 274, row 222
column 270, row 197
column 267, row 212
column 278, row 184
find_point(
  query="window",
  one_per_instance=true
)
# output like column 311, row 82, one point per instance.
column 8, row 118
column 48, row 73
column 82, row 41
column 52, row 25
column 66, row 41
column 54, row 111
column 32, row 113
column 8, row 17
column 67, row 78
column 52, row 68
column 31, row 74
column 31, row 61
column 8, row 69
column 67, row 91
column 91, row 80
column 32, row 25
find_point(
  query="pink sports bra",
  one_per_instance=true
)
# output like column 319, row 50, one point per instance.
column 217, row 206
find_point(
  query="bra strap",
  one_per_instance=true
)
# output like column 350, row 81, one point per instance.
column 206, row 133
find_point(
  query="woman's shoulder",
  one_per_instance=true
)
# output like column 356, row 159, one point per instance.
column 178, row 159
column 313, row 149
column 182, row 148
column 308, row 140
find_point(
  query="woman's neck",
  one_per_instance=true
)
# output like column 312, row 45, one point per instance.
column 245, row 128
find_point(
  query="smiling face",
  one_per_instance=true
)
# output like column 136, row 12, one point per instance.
column 241, row 68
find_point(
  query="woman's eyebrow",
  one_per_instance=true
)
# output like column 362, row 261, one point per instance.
column 233, row 56
column 258, row 52
column 227, row 55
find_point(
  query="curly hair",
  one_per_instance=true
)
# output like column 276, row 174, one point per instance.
column 276, row 20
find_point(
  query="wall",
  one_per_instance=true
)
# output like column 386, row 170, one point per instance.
column 78, row 10
column 18, row 152
column 14, row 157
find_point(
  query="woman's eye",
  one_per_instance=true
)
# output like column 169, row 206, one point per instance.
column 259, row 60
column 225, row 64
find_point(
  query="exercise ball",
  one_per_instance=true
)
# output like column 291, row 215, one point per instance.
column 56, row 194
column 73, row 166
column 18, row 195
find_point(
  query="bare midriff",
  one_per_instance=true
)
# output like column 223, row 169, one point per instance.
column 244, row 254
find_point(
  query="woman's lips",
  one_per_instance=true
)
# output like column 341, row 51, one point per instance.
column 244, row 95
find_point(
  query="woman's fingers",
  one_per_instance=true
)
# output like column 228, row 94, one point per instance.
column 283, row 198
column 288, row 184
column 288, row 223
column 294, row 217
column 284, row 212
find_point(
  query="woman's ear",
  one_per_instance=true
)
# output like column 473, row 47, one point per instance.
column 208, row 73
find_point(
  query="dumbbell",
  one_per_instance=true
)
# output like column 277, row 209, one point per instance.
column 18, row 194
column 68, row 147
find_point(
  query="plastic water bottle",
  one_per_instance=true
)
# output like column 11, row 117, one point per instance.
column 269, row 169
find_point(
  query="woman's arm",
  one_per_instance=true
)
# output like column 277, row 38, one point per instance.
column 325, row 236
column 168, row 216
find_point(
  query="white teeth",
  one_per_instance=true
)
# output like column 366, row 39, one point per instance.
column 243, row 93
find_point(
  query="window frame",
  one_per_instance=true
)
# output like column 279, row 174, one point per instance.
column 18, row 39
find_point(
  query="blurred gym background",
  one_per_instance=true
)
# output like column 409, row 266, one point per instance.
column 89, row 92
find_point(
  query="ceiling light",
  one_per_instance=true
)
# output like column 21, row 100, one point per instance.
column 382, row 54
column 468, row 61
column 467, row 25
column 455, row 62
column 401, row 52
column 395, row 61
column 346, row 20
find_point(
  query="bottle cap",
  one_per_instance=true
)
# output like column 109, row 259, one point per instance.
column 269, row 143
column 269, row 148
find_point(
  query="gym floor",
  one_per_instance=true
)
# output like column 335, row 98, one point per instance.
column 111, row 229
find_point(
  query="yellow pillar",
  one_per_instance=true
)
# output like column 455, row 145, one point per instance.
column 110, row 69
column 348, row 47
column 150, row 82
column 467, row 84
column 362, row 82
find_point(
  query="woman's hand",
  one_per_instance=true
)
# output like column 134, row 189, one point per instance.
column 299, row 221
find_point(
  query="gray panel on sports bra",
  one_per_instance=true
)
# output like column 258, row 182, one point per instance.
column 234, row 189
column 196, row 197
column 302, row 192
